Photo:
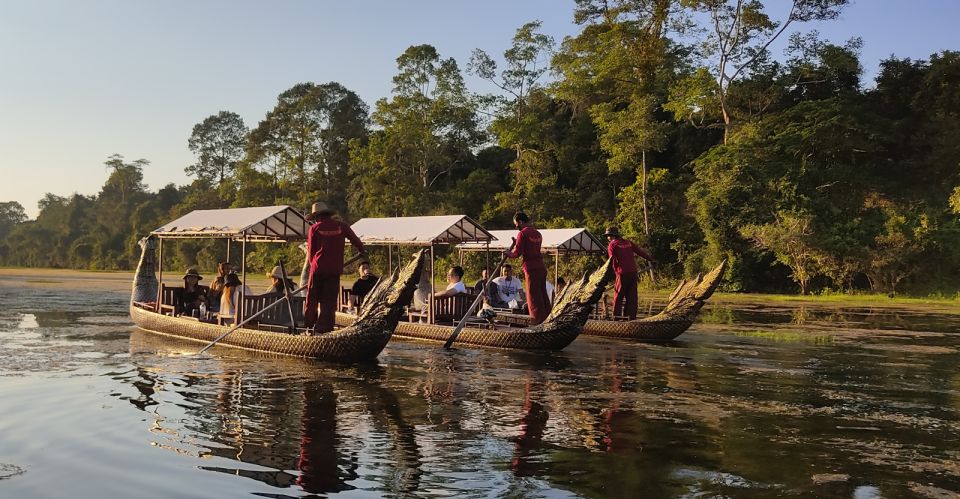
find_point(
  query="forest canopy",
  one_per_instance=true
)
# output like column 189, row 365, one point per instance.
column 699, row 145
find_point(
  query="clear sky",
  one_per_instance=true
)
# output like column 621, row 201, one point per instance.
column 80, row 81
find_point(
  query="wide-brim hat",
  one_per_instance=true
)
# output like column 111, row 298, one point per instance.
column 276, row 273
column 192, row 272
column 317, row 210
column 612, row 231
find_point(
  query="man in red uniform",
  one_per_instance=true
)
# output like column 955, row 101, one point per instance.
column 528, row 246
column 621, row 251
column 325, row 243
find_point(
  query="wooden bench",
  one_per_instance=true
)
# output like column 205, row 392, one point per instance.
column 170, row 298
column 278, row 315
column 345, row 302
column 446, row 308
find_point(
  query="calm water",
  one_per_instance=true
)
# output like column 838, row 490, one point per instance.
column 753, row 402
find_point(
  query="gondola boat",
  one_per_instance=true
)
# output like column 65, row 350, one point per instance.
column 364, row 339
column 681, row 310
column 677, row 316
column 562, row 326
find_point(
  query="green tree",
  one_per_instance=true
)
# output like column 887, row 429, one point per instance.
column 428, row 130
column 734, row 39
column 526, row 62
column 304, row 143
column 218, row 144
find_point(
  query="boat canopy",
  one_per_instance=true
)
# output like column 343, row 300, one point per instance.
column 555, row 241
column 420, row 231
column 262, row 223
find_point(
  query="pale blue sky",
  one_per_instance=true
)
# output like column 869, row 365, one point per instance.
column 80, row 81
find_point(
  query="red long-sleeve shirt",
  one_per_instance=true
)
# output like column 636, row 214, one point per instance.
column 621, row 251
column 528, row 246
column 325, row 245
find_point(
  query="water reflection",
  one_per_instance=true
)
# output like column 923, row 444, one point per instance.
column 287, row 423
column 756, row 401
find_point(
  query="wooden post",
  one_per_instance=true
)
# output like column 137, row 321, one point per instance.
column 160, row 272
column 243, row 269
column 433, row 283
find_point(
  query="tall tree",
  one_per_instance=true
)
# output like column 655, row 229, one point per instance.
column 218, row 143
column 527, row 60
column 304, row 142
column 428, row 130
column 614, row 67
column 735, row 36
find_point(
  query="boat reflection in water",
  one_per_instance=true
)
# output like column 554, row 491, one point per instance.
column 284, row 422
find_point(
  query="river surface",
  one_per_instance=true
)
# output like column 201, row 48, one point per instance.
column 754, row 401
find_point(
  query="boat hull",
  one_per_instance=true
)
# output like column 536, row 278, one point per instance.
column 647, row 329
column 345, row 345
column 508, row 338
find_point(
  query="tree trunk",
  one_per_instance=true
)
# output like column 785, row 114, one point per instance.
column 646, row 218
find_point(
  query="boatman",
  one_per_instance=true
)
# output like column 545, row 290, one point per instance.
column 621, row 252
column 325, row 243
column 528, row 246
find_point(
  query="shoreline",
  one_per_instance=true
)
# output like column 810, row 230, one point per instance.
column 117, row 281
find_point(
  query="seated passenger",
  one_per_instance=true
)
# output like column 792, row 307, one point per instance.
column 510, row 288
column 277, row 282
column 364, row 284
column 455, row 283
column 421, row 297
column 194, row 295
column 216, row 287
column 478, row 286
column 230, row 298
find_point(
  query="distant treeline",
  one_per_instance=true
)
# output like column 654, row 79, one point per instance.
column 668, row 118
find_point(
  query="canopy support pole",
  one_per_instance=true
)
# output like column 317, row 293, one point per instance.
column 160, row 272
column 433, row 283
column 243, row 268
column 228, row 250
column 556, row 268
column 389, row 259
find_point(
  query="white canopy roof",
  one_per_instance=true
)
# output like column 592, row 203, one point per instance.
column 262, row 223
column 554, row 241
column 420, row 231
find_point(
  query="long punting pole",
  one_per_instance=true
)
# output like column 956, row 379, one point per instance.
column 473, row 307
column 433, row 282
column 248, row 319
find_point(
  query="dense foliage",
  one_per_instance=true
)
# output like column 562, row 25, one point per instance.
column 698, row 144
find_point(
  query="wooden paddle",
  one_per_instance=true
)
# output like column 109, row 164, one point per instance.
column 473, row 307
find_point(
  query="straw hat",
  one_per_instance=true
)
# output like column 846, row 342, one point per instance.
column 192, row 272
column 612, row 231
column 317, row 210
column 276, row 273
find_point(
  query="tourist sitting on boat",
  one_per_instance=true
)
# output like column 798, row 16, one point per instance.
column 233, row 290
column 364, row 284
column 478, row 286
column 509, row 288
column 421, row 297
column 194, row 296
column 216, row 287
column 550, row 290
column 455, row 284
column 278, row 281
column 561, row 283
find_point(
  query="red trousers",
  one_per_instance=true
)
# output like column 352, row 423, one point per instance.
column 537, row 299
column 322, row 290
column 625, row 295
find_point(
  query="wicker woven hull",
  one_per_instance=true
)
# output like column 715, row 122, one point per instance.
column 646, row 329
column 564, row 324
column 682, row 308
column 344, row 345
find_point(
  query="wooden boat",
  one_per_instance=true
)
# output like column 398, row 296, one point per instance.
column 362, row 340
column 563, row 325
column 681, row 310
